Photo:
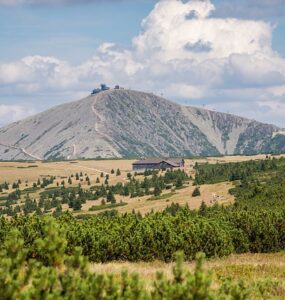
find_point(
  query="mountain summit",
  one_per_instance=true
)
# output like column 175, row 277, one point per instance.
column 122, row 123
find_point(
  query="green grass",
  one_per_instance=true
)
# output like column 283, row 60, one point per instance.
column 28, row 167
column 106, row 206
column 31, row 189
column 161, row 197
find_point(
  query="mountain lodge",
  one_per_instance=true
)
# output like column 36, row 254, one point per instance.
column 156, row 164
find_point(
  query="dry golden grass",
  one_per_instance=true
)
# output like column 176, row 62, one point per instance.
column 12, row 171
column 149, row 269
column 251, row 268
column 182, row 197
column 210, row 194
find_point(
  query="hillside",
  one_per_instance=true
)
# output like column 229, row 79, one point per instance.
column 122, row 123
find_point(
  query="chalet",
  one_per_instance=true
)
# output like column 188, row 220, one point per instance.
column 156, row 164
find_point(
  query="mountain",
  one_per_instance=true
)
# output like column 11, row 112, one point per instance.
column 124, row 123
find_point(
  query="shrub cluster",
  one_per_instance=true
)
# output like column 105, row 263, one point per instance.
column 213, row 173
column 54, row 275
column 216, row 231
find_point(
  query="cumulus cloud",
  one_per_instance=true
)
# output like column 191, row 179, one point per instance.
column 182, row 52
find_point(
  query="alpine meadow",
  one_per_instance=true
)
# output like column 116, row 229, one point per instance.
column 142, row 150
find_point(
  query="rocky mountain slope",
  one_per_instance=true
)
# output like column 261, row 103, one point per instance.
column 122, row 123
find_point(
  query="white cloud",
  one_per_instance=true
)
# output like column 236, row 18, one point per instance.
column 168, row 30
column 181, row 51
column 12, row 113
column 39, row 72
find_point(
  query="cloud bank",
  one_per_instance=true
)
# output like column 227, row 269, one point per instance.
column 183, row 52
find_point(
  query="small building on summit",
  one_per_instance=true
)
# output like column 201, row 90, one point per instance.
column 102, row 88
column 156, row 164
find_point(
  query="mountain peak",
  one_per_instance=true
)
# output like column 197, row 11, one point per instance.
column 124, row 123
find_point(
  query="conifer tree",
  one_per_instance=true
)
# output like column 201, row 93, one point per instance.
column 157, row 190
column 179, row 182
column 58, row 211
column 196, row 192
column 77, row 205
column 203, row 209
column 110, row 197
column 38, row 211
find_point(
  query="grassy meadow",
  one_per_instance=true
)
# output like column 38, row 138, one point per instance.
column 29, row 173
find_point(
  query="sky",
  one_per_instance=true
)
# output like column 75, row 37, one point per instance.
column 224, row 55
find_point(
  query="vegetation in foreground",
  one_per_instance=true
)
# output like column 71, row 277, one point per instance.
column 263, row 273
column 47, row 256
column 52, row 274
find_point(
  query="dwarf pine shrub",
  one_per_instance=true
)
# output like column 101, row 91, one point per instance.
column 52, row 274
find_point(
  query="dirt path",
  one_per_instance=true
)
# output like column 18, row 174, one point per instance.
column 73, row 154
column 22, row 150
column 98, row 119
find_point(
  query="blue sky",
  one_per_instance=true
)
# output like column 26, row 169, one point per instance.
column 53, row 53
column 71, row 32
